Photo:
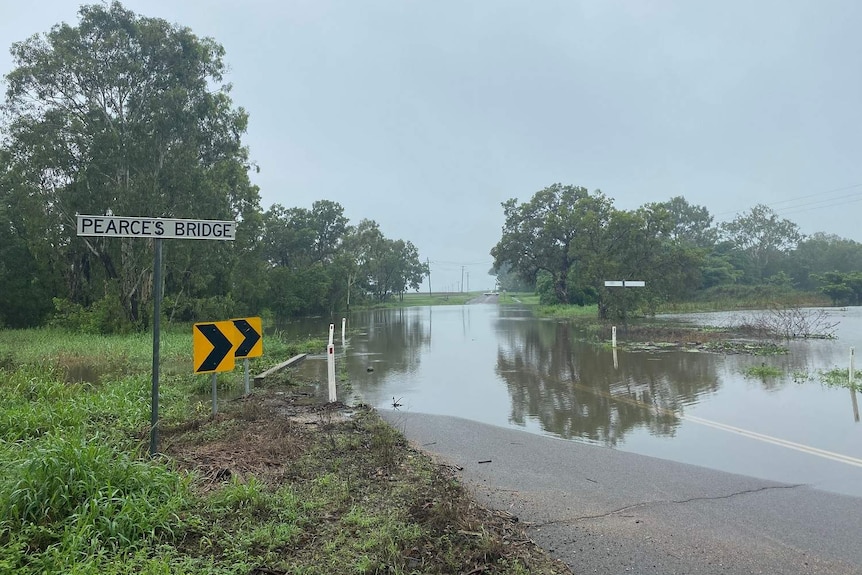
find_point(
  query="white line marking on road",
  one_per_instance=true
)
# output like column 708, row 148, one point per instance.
column 724, row 427
column 777, row 441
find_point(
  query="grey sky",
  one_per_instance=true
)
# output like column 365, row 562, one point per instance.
column 426, row 115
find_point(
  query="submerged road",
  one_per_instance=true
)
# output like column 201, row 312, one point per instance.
column 609, row 512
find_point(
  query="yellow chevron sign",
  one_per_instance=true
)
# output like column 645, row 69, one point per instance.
column 217, row 344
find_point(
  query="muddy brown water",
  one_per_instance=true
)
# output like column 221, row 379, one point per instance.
column 502, row 365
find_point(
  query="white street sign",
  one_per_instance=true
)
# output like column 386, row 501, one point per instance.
column 624, row 283
column 610, row 283
column 128, row 227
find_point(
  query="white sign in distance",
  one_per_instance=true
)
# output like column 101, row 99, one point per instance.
column 130, row 227
column 625, row 283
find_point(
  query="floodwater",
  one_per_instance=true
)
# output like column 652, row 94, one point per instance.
column 503, row 366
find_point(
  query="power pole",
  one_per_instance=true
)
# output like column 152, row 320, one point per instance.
column 462, row 279
column 428, row 263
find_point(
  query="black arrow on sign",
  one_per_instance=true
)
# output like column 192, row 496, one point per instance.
column 221, row 346
column 251, row 337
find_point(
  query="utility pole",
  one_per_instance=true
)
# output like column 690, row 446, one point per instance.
column 462, row 279
column 428, row 263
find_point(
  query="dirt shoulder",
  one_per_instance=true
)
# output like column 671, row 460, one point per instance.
column 345, row 491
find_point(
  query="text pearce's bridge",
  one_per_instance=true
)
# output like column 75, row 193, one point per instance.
column 170, row 228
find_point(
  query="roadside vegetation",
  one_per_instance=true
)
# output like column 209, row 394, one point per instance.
column 276, row 483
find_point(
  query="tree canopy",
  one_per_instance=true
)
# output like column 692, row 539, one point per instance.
column 570, row 241
column 129, row 115
column 566, row 242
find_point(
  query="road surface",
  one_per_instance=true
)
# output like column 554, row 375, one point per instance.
column 485, row 298
column 610, row 512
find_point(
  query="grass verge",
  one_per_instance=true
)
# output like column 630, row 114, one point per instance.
column 275, row 483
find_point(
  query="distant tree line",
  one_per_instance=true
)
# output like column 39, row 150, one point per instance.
column 566, row 241
column 129, row 115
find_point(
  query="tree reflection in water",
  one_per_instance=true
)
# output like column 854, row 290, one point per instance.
column 573, row 390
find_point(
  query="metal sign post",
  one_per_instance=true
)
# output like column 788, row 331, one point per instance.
column 158, row 229
column 157, row 316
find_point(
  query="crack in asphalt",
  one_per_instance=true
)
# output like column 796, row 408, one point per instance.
column 667, row 502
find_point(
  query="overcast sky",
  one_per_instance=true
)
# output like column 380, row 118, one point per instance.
column 426, row 115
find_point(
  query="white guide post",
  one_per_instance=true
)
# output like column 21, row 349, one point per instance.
column 343, row 331
column 851, row 375
column 330, row 363
column 614, row 337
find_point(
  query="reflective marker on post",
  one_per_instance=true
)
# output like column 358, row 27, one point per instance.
column 330, row 361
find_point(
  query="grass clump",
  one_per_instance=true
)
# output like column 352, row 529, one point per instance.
column 70, row 496
column 840, row 377
column 762, row 371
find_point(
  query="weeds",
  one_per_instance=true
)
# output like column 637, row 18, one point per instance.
column 762, row 371
column 840, row 377
column 791, row 322
column 274, row 483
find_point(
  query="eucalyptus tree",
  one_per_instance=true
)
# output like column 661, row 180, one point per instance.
column 570, row 241
column 128, row 115
column 763, row 238
column 381, row 266
column 26, row 277
column 301, row 247
column 643, row 246
column 690, row 224
column 559, row 233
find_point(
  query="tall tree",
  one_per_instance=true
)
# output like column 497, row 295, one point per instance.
column 559, row 227
column 126, row 114
column 571, row 241
column 763, row 237
column 689, row 224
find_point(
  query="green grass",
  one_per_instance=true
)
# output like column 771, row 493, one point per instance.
column 840, row 377
column 77, row 488
column 728, row 298
column 526, row 298
column 569, row 311
column 762, row 371
column 79, row 494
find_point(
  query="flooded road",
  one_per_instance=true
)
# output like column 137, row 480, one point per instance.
column 501, row 365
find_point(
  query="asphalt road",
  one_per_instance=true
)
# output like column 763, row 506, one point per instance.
column 485, row 298
column 610, row 512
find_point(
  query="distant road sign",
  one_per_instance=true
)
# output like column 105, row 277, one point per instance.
column 129, row 227
column 252, row 332
column 625, row 283
column 214, row 343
